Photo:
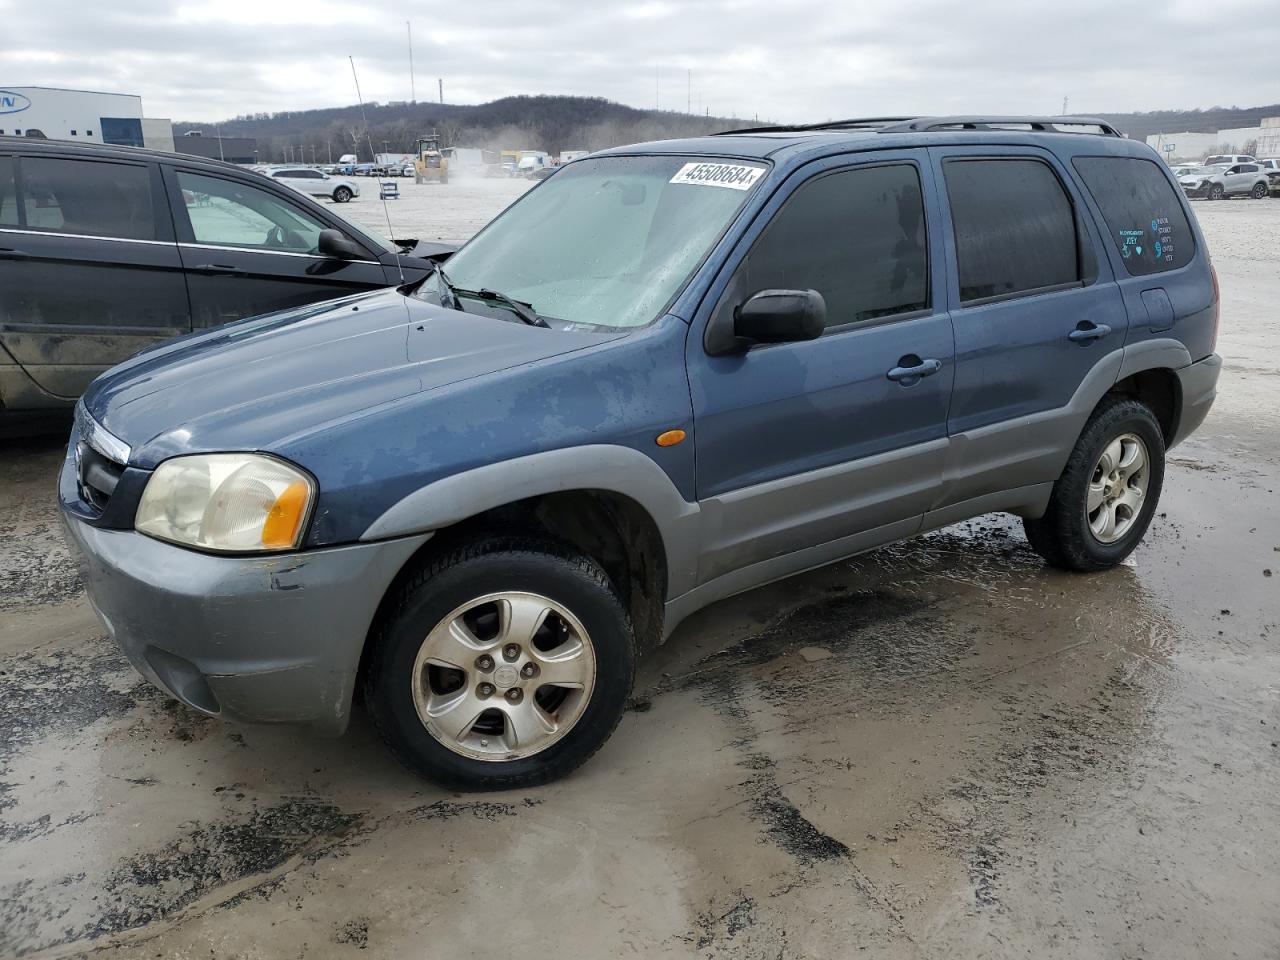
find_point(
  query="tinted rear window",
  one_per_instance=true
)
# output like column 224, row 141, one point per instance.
column 8, row 202
column 88, row 197
column 1014, row 227
column 1144, row 215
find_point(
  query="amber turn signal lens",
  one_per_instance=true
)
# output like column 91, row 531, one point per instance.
column 285, row 517
column 670, row 438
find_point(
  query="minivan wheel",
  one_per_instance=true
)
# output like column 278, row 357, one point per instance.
column 342, row 195
column 503, row 664
column 1103, row 502
column 1259, row 191
column 1217, row 192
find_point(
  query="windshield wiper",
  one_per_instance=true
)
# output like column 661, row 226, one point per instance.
column 448, row 288
column 524, row 311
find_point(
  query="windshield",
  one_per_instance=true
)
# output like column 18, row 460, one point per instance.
column 606, row 242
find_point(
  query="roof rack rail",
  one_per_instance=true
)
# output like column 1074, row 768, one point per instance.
column 852, row 124
column 1039, row 124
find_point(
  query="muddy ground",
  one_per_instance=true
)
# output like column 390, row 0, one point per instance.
column 987, row 758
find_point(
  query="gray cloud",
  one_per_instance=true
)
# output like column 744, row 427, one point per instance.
column 778, row 59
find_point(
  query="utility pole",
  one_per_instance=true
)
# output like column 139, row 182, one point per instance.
column 413, row 94
column 441, row 82
column 688, row 103
column 217, row 132
column 657, row 71
column 1064, row 106
column 328, row 145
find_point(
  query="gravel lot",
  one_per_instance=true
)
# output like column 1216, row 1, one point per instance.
column 995, row 760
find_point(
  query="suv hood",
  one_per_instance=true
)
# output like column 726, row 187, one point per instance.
column 252, row 384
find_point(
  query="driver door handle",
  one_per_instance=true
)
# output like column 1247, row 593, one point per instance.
column 218, row 269
column 1087, row 330
column 8, row 253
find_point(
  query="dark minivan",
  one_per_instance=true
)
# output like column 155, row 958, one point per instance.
column 106, row 250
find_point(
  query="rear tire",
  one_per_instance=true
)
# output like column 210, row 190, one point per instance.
column 342, row 195
column 1098, row 484
column 524, row 731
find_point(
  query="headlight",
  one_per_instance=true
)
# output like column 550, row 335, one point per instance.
column 230, row 502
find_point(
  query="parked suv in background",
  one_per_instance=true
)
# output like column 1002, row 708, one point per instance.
column 667, row 374
column 1219, row 182
column 1227, row 159
column 315, row 183
column 107, row 250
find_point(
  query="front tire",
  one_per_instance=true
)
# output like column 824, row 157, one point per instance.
column 1104, row 500
column 1217, row 192
column 342, row 195
column 502, row 664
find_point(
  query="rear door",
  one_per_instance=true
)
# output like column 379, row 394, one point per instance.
column 1035, row 311
column 250, row 250
column 89, row 271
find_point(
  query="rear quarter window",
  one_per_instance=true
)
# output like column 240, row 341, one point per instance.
column 88, row 197
column 1144, row 215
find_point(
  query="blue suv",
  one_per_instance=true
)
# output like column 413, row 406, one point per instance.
column 670, row 373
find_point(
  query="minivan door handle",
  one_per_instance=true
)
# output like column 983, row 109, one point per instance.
column 1087, row 330
column 8, row 253
column 218, row 269
column 911, row 369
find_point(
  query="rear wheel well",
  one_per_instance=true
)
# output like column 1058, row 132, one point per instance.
column 1160, row 391
column 612, row 529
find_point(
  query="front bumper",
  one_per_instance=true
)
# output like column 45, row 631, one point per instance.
column 1199, row 383
column 1196, row 193
column 273, row 638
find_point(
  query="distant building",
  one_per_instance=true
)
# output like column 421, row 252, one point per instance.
column 230, row 149
column 81, row 115
column 1189, row 146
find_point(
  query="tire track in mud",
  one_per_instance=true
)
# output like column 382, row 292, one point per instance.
column 895, row 649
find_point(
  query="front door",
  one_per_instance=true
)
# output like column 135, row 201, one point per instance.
column 249, row 251
column 1035, row 310
column 89, row 272
column 835, row 443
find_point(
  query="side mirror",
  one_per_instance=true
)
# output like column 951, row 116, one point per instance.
column 780, row 316
column 333, row 245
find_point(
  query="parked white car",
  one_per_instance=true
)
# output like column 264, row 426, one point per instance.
column 1227, row 158
column 1219, row 181
column 315, row 183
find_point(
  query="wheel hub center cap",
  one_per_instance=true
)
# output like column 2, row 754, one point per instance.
column 506, row 676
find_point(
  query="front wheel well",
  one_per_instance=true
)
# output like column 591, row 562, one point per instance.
column 611, row 528
column 1159, row 390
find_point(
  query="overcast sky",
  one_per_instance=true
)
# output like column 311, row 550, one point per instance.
column 795, row 60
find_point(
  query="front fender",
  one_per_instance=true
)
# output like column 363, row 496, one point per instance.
column 617, row 469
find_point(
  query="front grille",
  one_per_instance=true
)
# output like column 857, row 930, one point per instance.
column 100, row 460
column 96, row 475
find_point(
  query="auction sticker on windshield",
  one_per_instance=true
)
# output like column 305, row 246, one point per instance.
column 732, row 175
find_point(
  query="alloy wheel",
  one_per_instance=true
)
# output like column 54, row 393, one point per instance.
column 1117, row 488
column 503, row 676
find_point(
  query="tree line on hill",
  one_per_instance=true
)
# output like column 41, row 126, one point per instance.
column 549, row 123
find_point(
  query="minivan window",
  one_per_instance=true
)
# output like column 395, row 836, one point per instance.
column 94, row 198
column 857, row 236
column 8, row 199
column 1144, row 215
column 232, row 214
column 1014, row 226
column 606, row 242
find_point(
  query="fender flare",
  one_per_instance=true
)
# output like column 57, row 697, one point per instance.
column 616, row 469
